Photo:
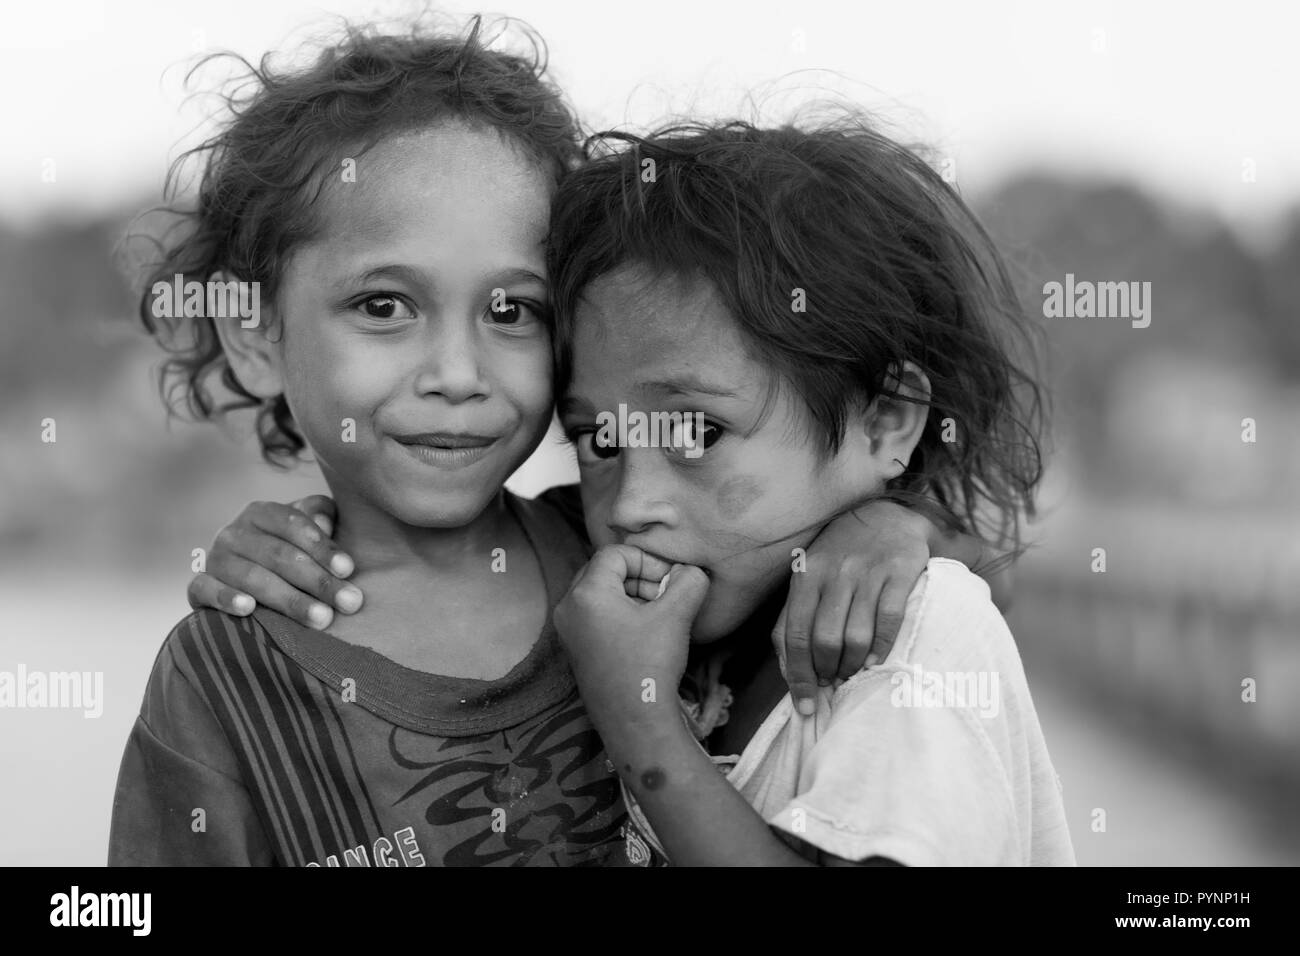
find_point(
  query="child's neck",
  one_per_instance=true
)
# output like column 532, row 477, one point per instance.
column 378, row 542
column 435, row 599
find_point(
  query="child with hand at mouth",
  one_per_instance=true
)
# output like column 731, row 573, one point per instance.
column 675, row 291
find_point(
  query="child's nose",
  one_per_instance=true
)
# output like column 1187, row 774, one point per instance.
column 640, row 500
column 454, row 367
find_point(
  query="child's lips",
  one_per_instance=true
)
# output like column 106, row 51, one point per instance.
column 446, row 449
column 446, row 439
column 667, row 560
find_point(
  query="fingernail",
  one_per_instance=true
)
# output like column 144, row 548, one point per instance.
column 342, row 565
column 663, row 586
column 872, row 660
column 348, row 600
column 823, row 682
column 320, row 616
column 806, row 706
column 323, row 523
column 243, row 603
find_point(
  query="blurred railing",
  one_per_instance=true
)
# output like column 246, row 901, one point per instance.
column 1194, row 624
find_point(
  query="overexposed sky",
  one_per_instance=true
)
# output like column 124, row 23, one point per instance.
column 1182, row 97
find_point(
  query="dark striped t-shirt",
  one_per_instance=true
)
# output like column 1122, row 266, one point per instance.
column 261, row 742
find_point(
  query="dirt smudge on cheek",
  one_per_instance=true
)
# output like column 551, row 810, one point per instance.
column 736, row 496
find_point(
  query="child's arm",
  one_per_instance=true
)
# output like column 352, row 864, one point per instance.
column 843, row 612
column 628, row 658
column 282, row 557
column 890, row 780
column 700, row 818
column 178, row 800
column 847, row 594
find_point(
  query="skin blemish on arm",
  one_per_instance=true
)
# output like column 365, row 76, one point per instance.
column 737, row 495
column 653, row 779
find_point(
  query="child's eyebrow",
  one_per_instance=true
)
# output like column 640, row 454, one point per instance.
column 687, row 384
column 403, row 273
column 514, row 275
column 683, row 384
column 415, row 277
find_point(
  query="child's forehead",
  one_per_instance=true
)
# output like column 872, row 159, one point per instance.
column 442, row 176
column 635, row 327
column 633, row 307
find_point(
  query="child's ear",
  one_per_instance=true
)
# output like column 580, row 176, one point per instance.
column 894, row 422
column 252, row 351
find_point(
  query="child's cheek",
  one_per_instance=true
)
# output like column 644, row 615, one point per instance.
column 534, row 396
column 334, row 391
column 736, row 496
column 597, row 501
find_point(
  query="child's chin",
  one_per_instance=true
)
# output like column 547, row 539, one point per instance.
column 451, row 509
column 721, row 614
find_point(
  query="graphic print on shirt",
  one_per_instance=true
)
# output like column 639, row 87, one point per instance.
column 317, row 795
column 500, row 781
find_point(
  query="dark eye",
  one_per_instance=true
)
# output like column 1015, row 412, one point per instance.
column 693, row 435
column 513, row 313
column 591, row 450
column 386, row 308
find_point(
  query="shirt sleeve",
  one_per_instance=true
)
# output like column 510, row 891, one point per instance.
column 920, row 785
column 179, row 801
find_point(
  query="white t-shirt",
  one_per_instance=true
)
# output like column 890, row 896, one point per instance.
column 934, row 757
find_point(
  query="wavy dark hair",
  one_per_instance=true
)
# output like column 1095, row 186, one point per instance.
column 284, row 131
column 893, row 265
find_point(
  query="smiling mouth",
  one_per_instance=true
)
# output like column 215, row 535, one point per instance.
column 446, row 449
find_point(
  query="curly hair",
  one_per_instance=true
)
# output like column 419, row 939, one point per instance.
column 264, row 169
column 893, row 266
